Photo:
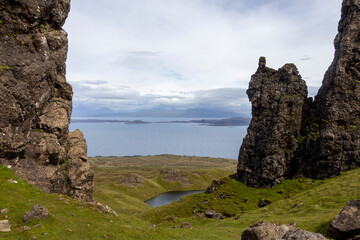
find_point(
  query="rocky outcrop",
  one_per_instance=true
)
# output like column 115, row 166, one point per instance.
column 36, row 100
column 37, row 212
column 346, row 225
column 210, row 213
column 267, row 231
column 173, row 175
column 130, row 180
column 300, row 234
column 291, row 135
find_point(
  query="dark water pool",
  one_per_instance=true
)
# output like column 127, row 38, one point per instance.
column 168, row 197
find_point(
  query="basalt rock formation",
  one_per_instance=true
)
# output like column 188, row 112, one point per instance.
column 36, row 100
column 291, row 135
column 277, row 99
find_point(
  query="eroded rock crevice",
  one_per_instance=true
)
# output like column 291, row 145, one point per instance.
column 291, row 135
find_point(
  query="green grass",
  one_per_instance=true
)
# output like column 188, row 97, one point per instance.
column 20, row 197
column 200, row 172
column 311, row 206
column 4, row 68
column 239, row 199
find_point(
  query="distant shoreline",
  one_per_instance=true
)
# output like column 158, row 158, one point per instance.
column 235, row 121
column 164, row 155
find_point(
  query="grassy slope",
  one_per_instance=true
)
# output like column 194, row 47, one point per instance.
column 239, row 199
column 108, row 170
column 311, row 209
column 311, row 206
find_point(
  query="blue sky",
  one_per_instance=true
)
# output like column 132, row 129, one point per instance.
column 143, row 54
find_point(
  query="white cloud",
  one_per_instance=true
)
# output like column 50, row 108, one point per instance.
column 159, row 47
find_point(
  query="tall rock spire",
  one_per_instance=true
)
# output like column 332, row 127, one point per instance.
column 291, row 136
column 277, row 99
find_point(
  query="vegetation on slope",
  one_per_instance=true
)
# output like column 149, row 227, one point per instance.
column 161, row 173
column 311, row 206
column 232, row 198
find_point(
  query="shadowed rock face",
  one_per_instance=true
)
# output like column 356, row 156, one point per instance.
column 336, row 145
column 292, row 136
column 36, row 100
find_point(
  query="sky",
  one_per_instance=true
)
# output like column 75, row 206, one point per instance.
column 177, row 54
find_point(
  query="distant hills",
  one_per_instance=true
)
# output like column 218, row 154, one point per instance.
column 235, row 121
column 162, row 113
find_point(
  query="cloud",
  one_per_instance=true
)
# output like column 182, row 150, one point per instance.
column 125, row 99
column 90, row 82
column 138, row 59
column 305, row 58
column 198, row 49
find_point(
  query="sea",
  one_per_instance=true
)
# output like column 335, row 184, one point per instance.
column 190, row 139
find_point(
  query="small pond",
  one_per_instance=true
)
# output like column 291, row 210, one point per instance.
column 168, row 197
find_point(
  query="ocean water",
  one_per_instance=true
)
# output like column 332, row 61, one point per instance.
column 120, row 139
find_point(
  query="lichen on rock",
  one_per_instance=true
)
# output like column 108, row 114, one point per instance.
column 36, row 100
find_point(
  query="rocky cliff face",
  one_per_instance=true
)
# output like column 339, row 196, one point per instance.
column 36, row 100
column 292, row 136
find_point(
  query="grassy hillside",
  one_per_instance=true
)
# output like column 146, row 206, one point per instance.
column 311, row 204
column 158, row 174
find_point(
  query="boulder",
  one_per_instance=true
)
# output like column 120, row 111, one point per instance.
column 213, row 215
column 24, row 228
column 5, row 226
column 102, row 208
column 37, row 212
column 12, row 181
column 266, row 231
column 4, row 211
column 264, row 203
column 299, row 234
column 171, row 218
column 184, row 225
column 346, row 225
